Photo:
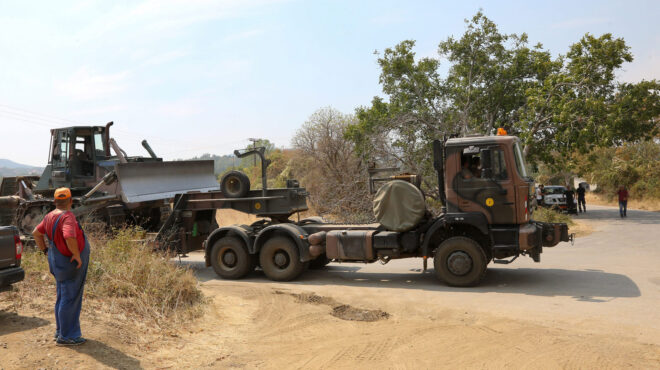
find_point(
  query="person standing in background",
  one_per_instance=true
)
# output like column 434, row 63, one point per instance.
column 539, row 195
column 68, row 258
column 582, row 204
column 623, row 200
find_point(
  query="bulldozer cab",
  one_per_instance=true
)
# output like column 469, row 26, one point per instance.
column 75, row 152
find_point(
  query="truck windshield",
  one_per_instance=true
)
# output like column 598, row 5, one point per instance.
column 520, row 160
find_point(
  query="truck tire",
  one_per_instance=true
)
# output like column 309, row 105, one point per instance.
column 230, row 259
column 280, row 260
column 235, row 184
column 460, row 261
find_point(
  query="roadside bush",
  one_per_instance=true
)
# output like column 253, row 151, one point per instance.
column 634, row 165
column 125, row 278
column 549, row 215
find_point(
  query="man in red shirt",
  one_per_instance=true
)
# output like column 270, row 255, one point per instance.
column 68, row 258
column 623, row 201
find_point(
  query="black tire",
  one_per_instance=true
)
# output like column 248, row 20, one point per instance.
column 230, row 259
column 460, row 261
column 318, row 263
column 280, row 259
column 235, row 184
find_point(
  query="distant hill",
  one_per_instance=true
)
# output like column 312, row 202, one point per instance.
column 10, row 168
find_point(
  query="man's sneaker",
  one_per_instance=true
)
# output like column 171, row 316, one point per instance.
column 57, row 335
column 71, row 342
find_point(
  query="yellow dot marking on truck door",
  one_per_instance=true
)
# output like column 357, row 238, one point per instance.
column 490, row 202
column 257, row 205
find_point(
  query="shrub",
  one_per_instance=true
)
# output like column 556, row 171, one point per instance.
column 125, row 277
column 549, row 215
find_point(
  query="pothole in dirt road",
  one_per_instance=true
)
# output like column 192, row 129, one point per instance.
column 339, row 310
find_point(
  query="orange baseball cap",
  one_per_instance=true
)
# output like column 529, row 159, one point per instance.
column 62, row 193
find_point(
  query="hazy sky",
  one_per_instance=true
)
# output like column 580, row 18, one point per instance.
column 203, row 76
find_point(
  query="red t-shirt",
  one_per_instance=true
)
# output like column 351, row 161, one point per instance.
column 66, row 228
column 623, row 195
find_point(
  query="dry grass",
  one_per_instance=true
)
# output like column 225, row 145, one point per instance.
column 548, row 215
column 226, row 217
column 126, row 281
column 581, row 228
column 644, row 204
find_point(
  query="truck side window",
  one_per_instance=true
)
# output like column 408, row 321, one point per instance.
column 499, row 165
column 471, row 163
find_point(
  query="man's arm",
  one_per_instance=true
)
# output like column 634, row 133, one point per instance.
column 39, row 239
column 69, row 226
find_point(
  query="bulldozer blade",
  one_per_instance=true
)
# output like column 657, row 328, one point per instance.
column 147, row 181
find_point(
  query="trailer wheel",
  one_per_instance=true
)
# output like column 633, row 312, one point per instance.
column 280, row 260
column 235, row 184
column 460, row 261
column 230, row 258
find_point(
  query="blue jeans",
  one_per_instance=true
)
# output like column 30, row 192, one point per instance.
column 70, row 283
column 623, row 206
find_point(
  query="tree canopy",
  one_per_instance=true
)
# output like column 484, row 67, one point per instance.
column 559, row 106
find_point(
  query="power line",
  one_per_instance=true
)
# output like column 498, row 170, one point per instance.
column 42, row 116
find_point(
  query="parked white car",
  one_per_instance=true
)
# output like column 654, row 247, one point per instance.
column 554, row 196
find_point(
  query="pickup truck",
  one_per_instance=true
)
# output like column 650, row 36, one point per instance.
column 11, row 249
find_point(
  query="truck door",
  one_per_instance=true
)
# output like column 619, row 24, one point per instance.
column 489, row 192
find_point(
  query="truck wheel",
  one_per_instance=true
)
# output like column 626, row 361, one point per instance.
column 460, row 261
column 235, row 184
column 318, row 262
column 230, row 259
column 280, row 260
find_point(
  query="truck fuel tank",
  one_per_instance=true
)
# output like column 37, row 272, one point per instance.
column 350, row 245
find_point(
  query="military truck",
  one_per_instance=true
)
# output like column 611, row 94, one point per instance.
column 488, row 216
column 115, row 188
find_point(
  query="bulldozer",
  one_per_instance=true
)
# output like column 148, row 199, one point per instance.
column 113, row 189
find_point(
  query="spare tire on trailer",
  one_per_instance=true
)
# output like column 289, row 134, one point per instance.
column 399, row 205
column 235, row 184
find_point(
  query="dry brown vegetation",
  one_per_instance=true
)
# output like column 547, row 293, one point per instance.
column 128, row 283
column 604, row 200
column 331, row 171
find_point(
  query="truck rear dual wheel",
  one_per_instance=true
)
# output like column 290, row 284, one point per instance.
column 280, row 259
column 460, row 261
column 230, row 258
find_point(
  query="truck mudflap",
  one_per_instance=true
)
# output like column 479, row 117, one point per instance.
column 553, row 233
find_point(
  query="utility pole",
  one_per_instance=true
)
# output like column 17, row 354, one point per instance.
column 254, row 146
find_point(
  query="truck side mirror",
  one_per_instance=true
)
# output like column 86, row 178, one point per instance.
column 486, row 163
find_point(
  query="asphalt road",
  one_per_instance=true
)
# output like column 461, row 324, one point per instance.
column 608, row 282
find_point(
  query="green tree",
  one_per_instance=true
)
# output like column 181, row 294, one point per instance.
column 558, row 106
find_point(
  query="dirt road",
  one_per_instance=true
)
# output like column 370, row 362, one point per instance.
column 591, row 305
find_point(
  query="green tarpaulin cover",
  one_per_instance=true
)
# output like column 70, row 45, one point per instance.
column 399, row 205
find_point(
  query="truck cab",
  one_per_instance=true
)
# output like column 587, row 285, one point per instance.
column 488, row 175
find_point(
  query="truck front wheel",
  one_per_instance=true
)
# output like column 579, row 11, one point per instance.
column 230, row 258
column 280, row 260
column 460, row 261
